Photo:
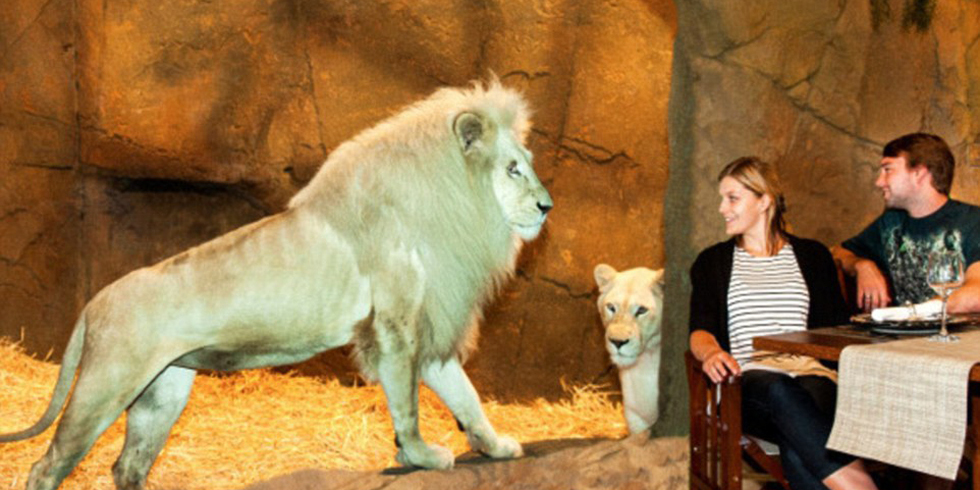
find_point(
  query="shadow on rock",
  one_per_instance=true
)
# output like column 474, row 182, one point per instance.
column 635, row 462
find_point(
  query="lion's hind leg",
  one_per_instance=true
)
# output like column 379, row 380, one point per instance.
column 148, row 423
column 102, row 391
column 454, row 388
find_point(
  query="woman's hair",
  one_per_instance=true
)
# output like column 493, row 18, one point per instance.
column 760, row 178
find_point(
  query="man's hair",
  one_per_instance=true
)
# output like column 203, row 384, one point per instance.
column 928, row 150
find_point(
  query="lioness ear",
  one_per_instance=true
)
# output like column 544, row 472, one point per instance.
column 658, row 278
column 603, row 274
column 472, row 132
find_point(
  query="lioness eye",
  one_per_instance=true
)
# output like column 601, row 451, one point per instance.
column 512, row 169
column 640, row 310
column 611, row 308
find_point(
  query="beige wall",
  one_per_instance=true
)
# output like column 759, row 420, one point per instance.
column 132, row 130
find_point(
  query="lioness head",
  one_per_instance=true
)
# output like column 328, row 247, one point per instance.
column 523, row 199
column 631, row 306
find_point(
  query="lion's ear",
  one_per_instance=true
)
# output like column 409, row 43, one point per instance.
column 603, row 273
column 472, row 131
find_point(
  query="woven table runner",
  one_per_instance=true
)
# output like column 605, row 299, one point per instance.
column 905, row 402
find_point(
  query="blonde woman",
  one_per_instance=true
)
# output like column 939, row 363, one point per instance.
column 766, row 281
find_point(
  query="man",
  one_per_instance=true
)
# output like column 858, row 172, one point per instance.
column 890, row 257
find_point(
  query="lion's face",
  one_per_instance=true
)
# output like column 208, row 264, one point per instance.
column 631, row 306
column 523, row 199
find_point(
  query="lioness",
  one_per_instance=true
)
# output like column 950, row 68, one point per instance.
column 631, row 306
column 397, row 242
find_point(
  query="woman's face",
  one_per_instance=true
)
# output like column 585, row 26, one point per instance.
column 743, row 211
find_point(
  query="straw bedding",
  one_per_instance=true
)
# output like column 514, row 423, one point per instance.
column 254, row 425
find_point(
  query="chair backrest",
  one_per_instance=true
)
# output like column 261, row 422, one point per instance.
column 848, row 288
column 716, row 443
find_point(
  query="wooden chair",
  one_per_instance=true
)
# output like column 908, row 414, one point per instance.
column 717, row 442
column 848, row 287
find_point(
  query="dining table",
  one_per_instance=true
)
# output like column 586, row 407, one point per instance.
column 827, row 344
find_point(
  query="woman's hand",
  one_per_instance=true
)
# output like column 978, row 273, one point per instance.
column 715, row 362
column 719, row 365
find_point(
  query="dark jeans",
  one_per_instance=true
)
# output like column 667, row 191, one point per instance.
column 797, row 414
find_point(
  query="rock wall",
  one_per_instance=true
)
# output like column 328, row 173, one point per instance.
column 132, row 130
column 39, row 207
column 129, row 132
column 817, row 88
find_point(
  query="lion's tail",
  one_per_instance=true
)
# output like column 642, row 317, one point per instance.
column 69, row 363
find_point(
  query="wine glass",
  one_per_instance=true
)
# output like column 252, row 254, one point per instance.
column 945, row 274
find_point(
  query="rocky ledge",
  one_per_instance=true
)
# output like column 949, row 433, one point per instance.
column 636, row 462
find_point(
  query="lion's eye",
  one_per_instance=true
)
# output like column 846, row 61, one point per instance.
column 641, row 310
column 512, row 169
column 611, row 308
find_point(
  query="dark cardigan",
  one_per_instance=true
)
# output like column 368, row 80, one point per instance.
column 712, row 273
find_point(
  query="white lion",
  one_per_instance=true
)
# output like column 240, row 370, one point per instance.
column 631, row 306
column 395, row 246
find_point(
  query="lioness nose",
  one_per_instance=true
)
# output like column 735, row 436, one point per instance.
column 545, row 207
column 618, row 343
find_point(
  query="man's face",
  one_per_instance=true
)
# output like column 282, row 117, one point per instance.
column 899, row 185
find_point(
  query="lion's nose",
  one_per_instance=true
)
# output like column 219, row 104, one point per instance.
column 545, row 207
column 618, row 343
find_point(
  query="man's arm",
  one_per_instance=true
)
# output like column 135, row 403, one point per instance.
column 966, row 298
column 872, row 287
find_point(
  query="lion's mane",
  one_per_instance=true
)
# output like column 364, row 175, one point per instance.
column 404, row 184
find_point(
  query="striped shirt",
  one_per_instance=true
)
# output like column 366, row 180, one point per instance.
column 766, row 295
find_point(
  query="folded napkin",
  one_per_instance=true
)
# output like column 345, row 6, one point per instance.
column 791, row 364
column 922, row 311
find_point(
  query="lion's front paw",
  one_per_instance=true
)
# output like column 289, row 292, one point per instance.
column 428, row 456
column 505, row 447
